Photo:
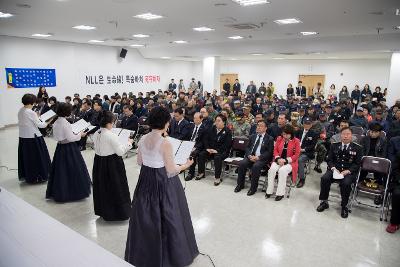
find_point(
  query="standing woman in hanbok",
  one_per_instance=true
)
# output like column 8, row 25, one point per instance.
column 69, row 178
column 111, row 197
column 160, row 228
column 33, row 157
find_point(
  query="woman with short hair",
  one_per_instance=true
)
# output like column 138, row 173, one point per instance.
column 69, row 178
column 33, row 157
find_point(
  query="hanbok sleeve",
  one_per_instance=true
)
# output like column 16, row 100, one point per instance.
column 119, row 149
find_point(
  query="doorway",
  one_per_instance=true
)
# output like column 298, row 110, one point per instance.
column 230, row 76
column 310, row 81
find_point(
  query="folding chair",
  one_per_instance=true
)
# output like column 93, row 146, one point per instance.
column 373, row 164
column 239, row 144
column 290, row 183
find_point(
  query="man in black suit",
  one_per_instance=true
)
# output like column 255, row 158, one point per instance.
column 172, row 86
column 114, row 107
column 308, row 140
column 259, row 153
column 217, row 143
column 207, row 121
column 129, row 121
column 301, row 90
column 196, row 135
column 257, row 107
column 344, row 159
column 180, row 128
column 236, row 87
column 258, row 117
column 227, row 87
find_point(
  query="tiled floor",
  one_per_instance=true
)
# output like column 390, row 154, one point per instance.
column 234, row 229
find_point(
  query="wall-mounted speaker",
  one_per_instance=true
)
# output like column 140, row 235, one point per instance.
column 123, row 52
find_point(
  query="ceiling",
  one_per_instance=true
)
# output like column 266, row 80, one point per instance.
column 347, row 29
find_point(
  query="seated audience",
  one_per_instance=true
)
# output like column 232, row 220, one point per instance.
column 286, row 156
column 258, row 154
column 217, row 145
column 344, row 160
column 179, row 128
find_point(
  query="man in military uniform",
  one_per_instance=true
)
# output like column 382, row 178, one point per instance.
column 344, row 159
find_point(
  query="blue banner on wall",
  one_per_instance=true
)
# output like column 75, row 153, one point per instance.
column 27, row 78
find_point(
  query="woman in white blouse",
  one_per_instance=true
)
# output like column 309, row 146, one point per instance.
column 33, row 156
column 111, row 197
column 160, row 228
column 69, row 178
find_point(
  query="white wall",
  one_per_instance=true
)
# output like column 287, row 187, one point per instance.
column 282, row 72
column 394, row 82
column 73, row 62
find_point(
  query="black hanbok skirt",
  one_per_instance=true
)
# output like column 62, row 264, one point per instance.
column 69, row 178
column 111, row 197
column 160, row 228
column 33, row 160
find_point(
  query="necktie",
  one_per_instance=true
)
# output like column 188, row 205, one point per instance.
column 344, row 148
column 194, row 133
column 253, row 152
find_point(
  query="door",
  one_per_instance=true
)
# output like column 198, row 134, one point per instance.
column 230, row 76
column 310, row 81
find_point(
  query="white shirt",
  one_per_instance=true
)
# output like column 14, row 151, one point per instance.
column 345, row 146
column 62, row 131
column 195, row 130
column 303, row 136
column 258, row 150
column 29, row 123
column 107, row 143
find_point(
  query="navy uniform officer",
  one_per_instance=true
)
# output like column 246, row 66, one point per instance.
column 345, row 158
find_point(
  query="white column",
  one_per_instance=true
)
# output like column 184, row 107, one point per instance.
column 394, row 80
column 211, row 73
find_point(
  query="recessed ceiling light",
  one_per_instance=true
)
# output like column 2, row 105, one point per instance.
column 165, row 57
column 136, row 45
column 237, row 37
column 308, row 33
column 251, row 2
column 5, row 15
column 256, row 54
column 398, row 12
column 84, row 27
column 96, row 41
column 180, row 42
column 148, row 16
column 203, row 29
column 233, row 59
column 396, row 27
column 278, row 58
column 42, row 35
column 141, row 35
column 332, row 57
column 287, row 21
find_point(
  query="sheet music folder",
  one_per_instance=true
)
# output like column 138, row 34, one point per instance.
column 181, row 150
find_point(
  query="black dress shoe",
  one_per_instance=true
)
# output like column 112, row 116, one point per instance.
column 344, row 213
column 198, row 177
column 300, row 184
column 189, row 177
column 238, row 188
column 323, row 206
column 268, row 195
column 251, row 192
column 278, row 198
column 317, row 169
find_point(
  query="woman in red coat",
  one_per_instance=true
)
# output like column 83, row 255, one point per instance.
column 286, row 155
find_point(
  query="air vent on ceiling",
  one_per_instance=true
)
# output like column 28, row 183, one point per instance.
column 243, row 26
column 122, row 39
column 376, row 13
column 23, row 5
column 220, row 4
column 289, row 54
column 227, row 20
